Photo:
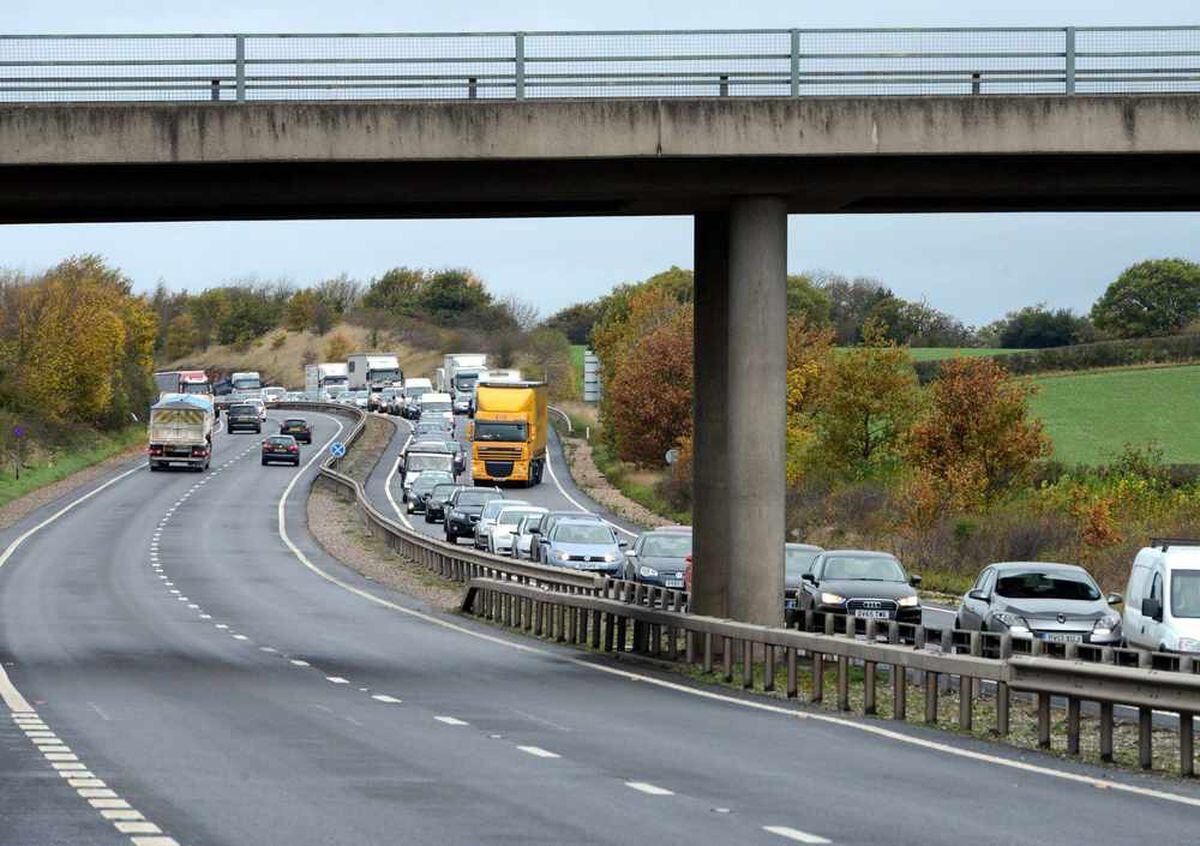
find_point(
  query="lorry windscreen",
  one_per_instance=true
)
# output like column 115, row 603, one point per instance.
column 197, row 388
column 500, row 430
column 247, row 384
column 465, row 381
column 383, row 375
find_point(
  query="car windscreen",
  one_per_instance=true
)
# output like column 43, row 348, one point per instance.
column 243, row 409
column 295, row 423
column 417, row 393
column 873, row 568
column 1185, row 593
column 494, row 507
column 668, row 545
column 583, row 533
column 427, row 481
column 495, row 430
column 477, row 497
column 511, row 516
column 428, row 461
column 443, row 490
column 1045, row 586
column 435, row 407
column 282, row 441
column 799, row 561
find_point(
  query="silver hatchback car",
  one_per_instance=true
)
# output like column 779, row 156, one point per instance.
column 1053, row 602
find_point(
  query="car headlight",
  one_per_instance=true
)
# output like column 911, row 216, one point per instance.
column 1106, row 625
column 1016, row 623
column 647, row 572
column 1188, row 644
column 609, row 557
column 832, row 598
column 909, row 601
column 562, row 556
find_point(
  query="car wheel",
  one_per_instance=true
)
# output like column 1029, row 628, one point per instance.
column 265, row 462
column 428, row 517
column 154, row 466
column 228, row 430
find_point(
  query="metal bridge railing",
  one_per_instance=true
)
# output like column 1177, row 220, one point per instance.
column 540, row 65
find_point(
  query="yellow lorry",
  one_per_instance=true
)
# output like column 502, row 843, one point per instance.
column 509, row 433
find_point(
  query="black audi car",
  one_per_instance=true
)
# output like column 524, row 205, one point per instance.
column 462, row 511
column 862, row 584
column 435, row 503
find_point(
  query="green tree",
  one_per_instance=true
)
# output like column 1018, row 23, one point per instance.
column 547, row 355
column 181, row 337
column 301, row 310
column 575, row 321
column 868, row 406
column 806, row 300
column 398, row 291
column 1151, row 298
column 1038, row 327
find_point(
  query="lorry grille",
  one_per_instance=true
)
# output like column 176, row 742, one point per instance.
column 498, row 453
column 498, row 469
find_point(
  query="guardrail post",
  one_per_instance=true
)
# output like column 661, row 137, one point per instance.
column 239, row 43
column 1187, row 754
column 1002, row 696
column 608, row 632
column 727, row 658
column 790, row 692
column 1145, row 722
column 595, row 630
column 768, row 668
column 747, row 663
column 843, row 683
column 1069, row 55
column 689, row 647
column 519, row 65
column 708, row 652
column 1072, row 725
column 818, row 677
column 931, row 697
column 1106, row 732
column 621, row 641
column 794, row 71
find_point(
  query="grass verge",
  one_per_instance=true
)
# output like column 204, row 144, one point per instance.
column 57, row 465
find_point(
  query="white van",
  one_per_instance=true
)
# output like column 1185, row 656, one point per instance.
column 1162, row 601
column 435, row 406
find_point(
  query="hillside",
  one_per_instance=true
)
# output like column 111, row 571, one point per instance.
column 280, row 355
column 1091, row 415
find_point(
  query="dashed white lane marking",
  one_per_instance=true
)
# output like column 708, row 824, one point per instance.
column 452, row 721
column 651, row 789
column 298, row 663
column 137, row 827
column 337, row 680
column 539, row 752
column 221, row 625
column 240, row 637
column 794, row 834
column 383, row 697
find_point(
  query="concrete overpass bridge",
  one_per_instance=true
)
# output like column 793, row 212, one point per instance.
column 738, row 134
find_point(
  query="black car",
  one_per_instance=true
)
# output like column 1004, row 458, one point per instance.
column 862, row 584
column 298, row 428
column 798, row 559
column 463, row 509
column 419, row 493
column 435, row 503
column 242, row 416
column 659, row 556
column 281, row 448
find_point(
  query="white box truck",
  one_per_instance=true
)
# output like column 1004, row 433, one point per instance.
column 327, row 377
column 373, row 371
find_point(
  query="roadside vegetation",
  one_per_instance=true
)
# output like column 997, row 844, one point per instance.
column 951, row 456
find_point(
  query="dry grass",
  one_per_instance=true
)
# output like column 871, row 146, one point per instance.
column 282, row 362
column 361, row 459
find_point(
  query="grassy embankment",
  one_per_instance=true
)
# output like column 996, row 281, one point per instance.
column 937, row 353
column 54, row 456
column 280, row 355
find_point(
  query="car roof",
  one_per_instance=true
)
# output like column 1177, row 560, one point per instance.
column 1004, row 567
column 804, row 547
column 668, row 530
column 874, row 553
column 582, row 520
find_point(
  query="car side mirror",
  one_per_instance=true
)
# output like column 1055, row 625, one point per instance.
column 1153, row 609
column 623, row 544
column 1115, row 599
column 809, row 577
column 914, row 580
column 977, row 595
column 534, row 530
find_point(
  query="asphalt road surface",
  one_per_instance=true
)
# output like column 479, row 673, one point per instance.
column 179, row 645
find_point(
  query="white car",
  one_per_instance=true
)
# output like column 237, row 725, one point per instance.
column 1162, row 600
column 501, row 534
column 273, row 395
column 258, row 404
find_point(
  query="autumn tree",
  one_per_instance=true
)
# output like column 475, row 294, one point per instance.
column 337, row 348
column 809, row 357
column 181, row 337
column 655, row 387
column 547, row 355
column 301, row 310
column 976, row 438
column 869, row 404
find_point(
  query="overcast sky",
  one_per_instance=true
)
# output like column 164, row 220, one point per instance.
column 975, row 266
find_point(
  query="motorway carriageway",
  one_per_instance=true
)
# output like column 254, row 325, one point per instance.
column 183, row 664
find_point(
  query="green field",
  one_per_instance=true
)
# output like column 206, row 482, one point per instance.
column 1090, row 416
column 935, row 353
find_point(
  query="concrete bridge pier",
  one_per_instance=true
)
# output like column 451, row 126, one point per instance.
column 739, row 410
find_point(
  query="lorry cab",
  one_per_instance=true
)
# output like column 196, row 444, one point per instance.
column 509, row 432
column 1162, row 599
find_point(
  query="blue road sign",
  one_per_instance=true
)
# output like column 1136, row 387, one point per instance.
column 337, row 449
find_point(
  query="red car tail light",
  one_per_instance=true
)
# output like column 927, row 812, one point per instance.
column 293, row 448
column 155, row 450
column 199, row 452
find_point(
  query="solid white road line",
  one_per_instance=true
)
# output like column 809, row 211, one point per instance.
column 452, row 721
column 794, row 834
column 575, row 502
column 539, row 752
column 651, row 789
column 12, row 697
column 387, row 482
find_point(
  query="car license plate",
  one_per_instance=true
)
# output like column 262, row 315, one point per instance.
column 869, row 614
column 674, row 582
column 1057, row 637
